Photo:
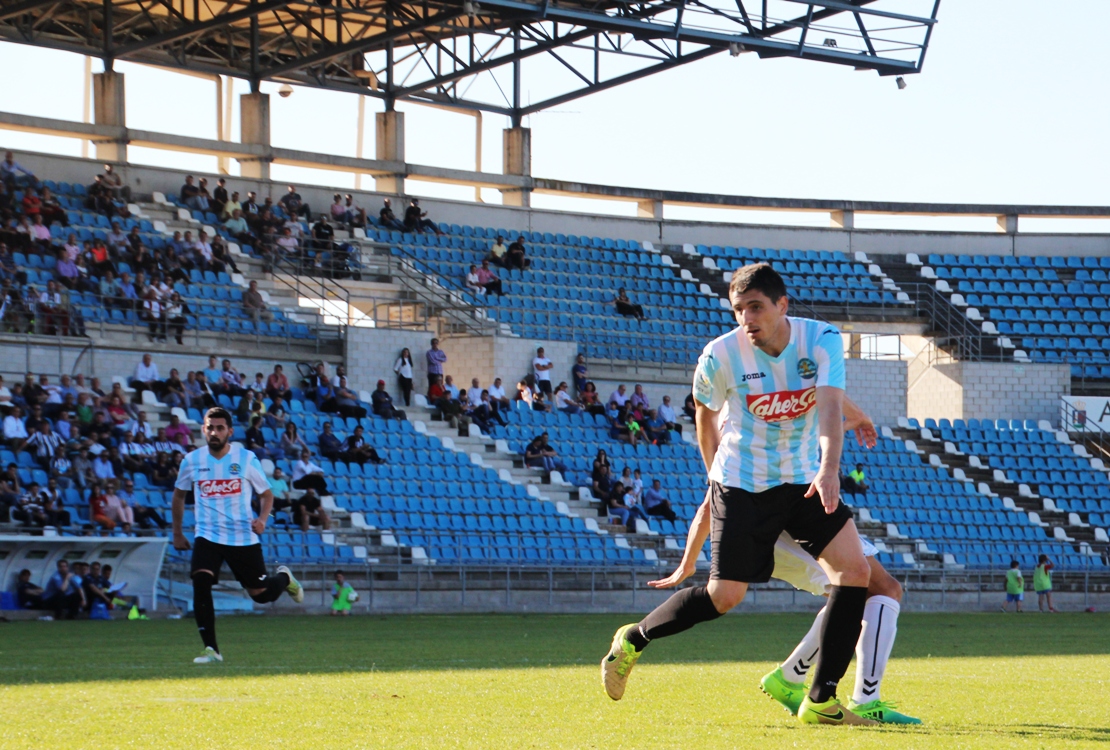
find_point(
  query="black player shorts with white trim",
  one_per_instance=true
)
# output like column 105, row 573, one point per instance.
column 745, row 526
column 246, row 562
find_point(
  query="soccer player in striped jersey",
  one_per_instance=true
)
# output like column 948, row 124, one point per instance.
column 770, row 428
column 222, row 477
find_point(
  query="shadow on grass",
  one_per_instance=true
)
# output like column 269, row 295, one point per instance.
column 1048, row 732
column 59, row 652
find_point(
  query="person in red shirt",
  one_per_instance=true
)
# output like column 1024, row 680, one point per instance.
column 277, row 385
column 32, row 204
column 98, row 508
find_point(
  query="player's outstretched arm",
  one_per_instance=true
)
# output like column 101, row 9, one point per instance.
column 830, row 418
column 856, row 420
column 699, row 530
column 177, row 508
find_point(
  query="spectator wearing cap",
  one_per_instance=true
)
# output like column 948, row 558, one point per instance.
column 382, row 403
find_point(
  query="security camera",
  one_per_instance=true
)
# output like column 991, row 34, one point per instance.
column 285, row 91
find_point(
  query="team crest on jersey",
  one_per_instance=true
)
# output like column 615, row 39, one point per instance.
column 234, row 468
column 703, row 382
column 807, row 368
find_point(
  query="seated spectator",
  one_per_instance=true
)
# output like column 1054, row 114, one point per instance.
column 417, row 221
column 179, row 432
column 449, row 409
column 656, row 504
column 639, row 399
column 626, row 307
column 132, row 454
column 515, row 257
column 309, row 476
column 98, row 502
column 45, row 443
column 95, row 587
column 498, row 397
column 488, row 280
column 27, row 594
column 231, row 380
column 163, row 444
column 277, row 385
column 355, row 216
column 293, row 204
column 250, row 405
column 331, row 447
column 14, row 175
column 666, row 413
column 341, row 593
column 140, row 425
column 359, row 451
column 474, row 393
column 615, row 507
column 116, row 509
column 472, row 283
column 255, row 442
column 280, row 490
column 29, row 509
column 388, row 219
column 164, row 471
column 276, row 416
column 146, row 378
column 497, row 252
column 383, row 403
column 539, row 454
column 146, row 517
column 621, row 425
column 635, row 509
column 539, row 402
column 153, row 313
column 563, row 401
column 323, row 236
column 173, row 394
column 309, row 511
column 589, row 399
column 855, row 482
column 688, row 407
column 450, row 387
column 190, row 195
column 619, row 396
column 254, row 305
column 292, row 444
column 63, row 593
column 524, row 393
column 324, row 395
column 656, row 429
column 347, row 403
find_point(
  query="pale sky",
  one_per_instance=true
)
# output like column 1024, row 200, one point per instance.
column 1012, row 107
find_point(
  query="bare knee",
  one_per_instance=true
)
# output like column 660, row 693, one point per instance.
column 855, row 573
column 883, row 583
column 726, row 594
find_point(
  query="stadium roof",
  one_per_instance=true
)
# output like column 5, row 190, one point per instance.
column 472, row 54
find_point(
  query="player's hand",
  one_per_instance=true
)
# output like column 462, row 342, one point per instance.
column 258, row 525
column 864, row 429
column 679, row 575
column 827, row 485
column 180, row 543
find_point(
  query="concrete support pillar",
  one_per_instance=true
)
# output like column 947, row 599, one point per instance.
column 855, row 350
column 842, row 220
column 1008, row 223
column 254, row 128
column 109, row 108
column 650, row 209
column 390, row 144
column 517, row 158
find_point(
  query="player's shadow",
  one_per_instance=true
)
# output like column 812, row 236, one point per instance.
column 1045, row 732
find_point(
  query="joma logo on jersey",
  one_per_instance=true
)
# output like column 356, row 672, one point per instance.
column 220, row 487
column 782, row 406
column 752, row 376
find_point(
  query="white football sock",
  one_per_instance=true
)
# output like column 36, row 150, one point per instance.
column 880, row 626
column 797, row 665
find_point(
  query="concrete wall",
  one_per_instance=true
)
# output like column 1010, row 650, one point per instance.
column 879, row 387
column 145, row 180
column 989, row 390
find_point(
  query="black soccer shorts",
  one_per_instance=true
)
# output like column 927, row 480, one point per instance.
column 746, row 525
column 246, row 562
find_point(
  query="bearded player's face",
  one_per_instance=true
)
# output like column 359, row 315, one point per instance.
column 216, row 433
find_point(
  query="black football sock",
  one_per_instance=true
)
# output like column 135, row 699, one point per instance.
column 204, row 610
column 274, row 588
column 684, row 610
column 843, row 622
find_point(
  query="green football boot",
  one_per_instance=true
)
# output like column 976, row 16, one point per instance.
column 882, row 712
column 789, row 694
column 618, row 663
column 831, row 711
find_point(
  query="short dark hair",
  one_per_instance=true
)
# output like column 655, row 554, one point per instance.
column 758, row 277
column 218, row 412
column 1014, row 564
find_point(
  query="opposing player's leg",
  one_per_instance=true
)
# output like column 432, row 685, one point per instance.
column 786, row 683
column 833, row 539
column 880, row 628
column 206, row 563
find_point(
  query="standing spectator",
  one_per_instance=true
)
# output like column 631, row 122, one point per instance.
column 541, row 367
column 309, row 476
column 1042, row 583
column 579, row 374
column 403, row 368
column 688, row 407
column 417, row 221
column 175, row 311
column 563, row 401
column 293, row 204
column 63, row 593
column 254, row 305
column 383, row 404
column 277, row 385
column 146, row 378
column 625, row 306
column 388, row 219
column 656, row 503
column 219, row 198
column 666, row 413
column 309, row 511
column 1015, row 587
column 341, row 593
column 436, row 359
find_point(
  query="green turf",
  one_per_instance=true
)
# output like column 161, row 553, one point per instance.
column 982, row 681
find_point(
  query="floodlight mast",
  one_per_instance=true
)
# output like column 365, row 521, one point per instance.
column 470, row 54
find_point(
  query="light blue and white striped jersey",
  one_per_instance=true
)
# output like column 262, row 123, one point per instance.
column 769, row 428
column 222, row 490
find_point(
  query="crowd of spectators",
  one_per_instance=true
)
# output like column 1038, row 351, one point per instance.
column 625, row 497
column 81, row 589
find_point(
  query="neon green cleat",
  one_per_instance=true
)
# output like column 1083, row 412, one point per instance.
column 618, row 663
column 882, row 712
column 789, row 694
column 210, row 656
column 831, row 711
column 295, row 589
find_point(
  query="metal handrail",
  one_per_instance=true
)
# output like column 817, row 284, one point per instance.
column 1073, row 420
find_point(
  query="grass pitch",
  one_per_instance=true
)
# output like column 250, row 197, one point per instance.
column 502, row 681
